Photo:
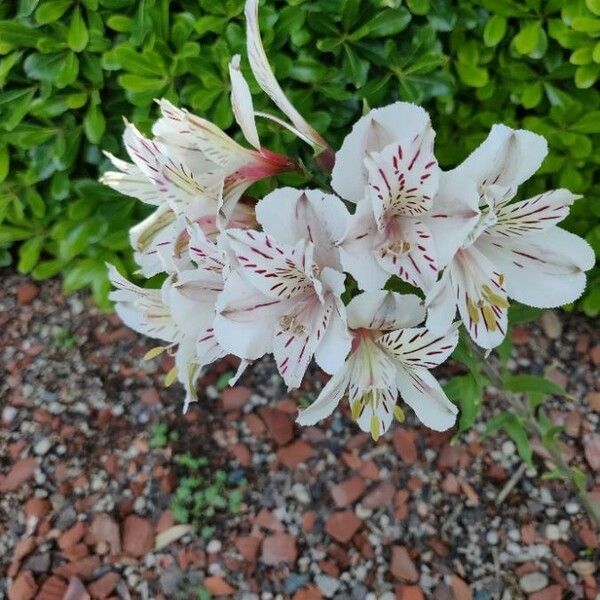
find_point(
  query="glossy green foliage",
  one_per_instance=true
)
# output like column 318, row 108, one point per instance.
column 70, row 69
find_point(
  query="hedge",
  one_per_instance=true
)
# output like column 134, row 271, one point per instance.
column 70, row 69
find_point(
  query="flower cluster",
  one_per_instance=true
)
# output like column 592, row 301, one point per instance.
column 252, row 278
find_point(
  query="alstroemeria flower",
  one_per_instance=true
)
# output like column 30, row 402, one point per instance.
column 199, row 140
column 390, row 357
column 164, row 234
column 182, row 312
column 265, row 77
column 515, row 249
column 284, row 296
column 386, row 165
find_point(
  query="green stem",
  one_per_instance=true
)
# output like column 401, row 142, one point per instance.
column 534, row 429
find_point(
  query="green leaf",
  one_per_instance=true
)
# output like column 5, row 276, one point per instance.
column 593, row 6
column 147, row 64
column 18, row 35
column 587, row 75
column 527, row 39
column 356, row 69
column 4, row 162
column 77, row 36
column 516, row 431
column 135, row 83
column 386, row 22
column 51, row 10
column 588, row 123
column 94, row 124
column 532, row 383
column 29, row 253
column 47, row 269
column 472, row 75
column 494, row 31
column 26, row 7
column 10, row 233
column 465, row 391
column 520, row 313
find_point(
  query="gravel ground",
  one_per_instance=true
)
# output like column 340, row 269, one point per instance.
column 86, row 484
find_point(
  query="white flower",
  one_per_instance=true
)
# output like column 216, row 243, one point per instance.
column 390, row 357
column 266, row 79
column 515, row 249
column 386, row 165
column 182, row 312
column 284, row 295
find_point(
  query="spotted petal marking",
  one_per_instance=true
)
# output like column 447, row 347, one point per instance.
column 142, row 309
column 181, row 187
column 204, row 252
column 175, row 180
column 297, row 335
column 409, row 252
column 196, row 134
column 208, row 349
column 403, row 178
column 131, row 181
column 418, row 346
column 277, row 270
column 372, row 389
column 533, row 215
column 481, row 297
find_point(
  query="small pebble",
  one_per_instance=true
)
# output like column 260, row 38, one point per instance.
column 572, row 508
column 533, row 582
column 552, row 532
column 213, row 547
column 9, row 413
column 508, row 448
column 327, row 584
column 492, row 538
column 41, row 448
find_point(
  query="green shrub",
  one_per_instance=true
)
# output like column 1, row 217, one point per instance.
column 69, row 69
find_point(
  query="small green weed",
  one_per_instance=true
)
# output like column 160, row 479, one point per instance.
column 202, row 494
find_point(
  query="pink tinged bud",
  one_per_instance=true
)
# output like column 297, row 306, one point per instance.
column 265, row 164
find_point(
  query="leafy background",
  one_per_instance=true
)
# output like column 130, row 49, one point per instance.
column 70, row 69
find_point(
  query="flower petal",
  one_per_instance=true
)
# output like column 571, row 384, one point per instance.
column 372, row 390
column 277, row 270
column 327, row 400
column 533, row 215
column 372, row 133
column 441, row 304
column 131, row 181
column 408, row 251
column 241, row 102
column 454, row 213
column 403, row 177
column 159, row 229
column 506, row 158
column 142, row 310
column 384, row 311
column 335, row 343
column 266, row 79
column 545, row 269
column 357, row 250
column 297, row 335
column 478, row 286
column 205, row 253
column 290, row 215
column 419, row 346
column 208, row 349
column 178, row 184
column 421, row 391
column 246, row 319
column 200, row 137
